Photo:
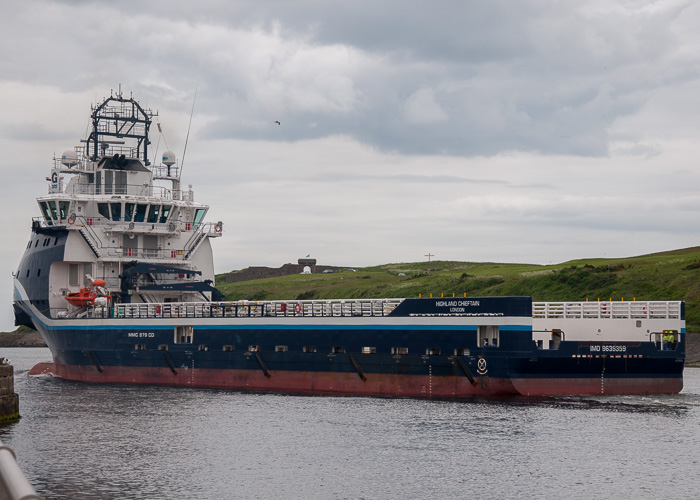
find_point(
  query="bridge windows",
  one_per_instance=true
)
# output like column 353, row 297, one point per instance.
column 52, row 207
column 309, row 348
column 153, row 214
column 369, row 350
column 116, row 212
column 103, row 209
column 63, row 207
column 45, row 211
column 128, row 211
column 433, row 351
column 164, row 213
column 198, row 216
column 399, row 350
column 140, row 212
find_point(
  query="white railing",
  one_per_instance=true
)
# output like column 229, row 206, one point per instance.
column 245, row 309
column 147, row 190
column 608, row 310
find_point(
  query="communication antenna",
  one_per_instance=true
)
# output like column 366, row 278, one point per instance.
column 182, row 163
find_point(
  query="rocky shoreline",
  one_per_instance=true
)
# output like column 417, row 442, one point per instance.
column 31, row 338
column 28, row 338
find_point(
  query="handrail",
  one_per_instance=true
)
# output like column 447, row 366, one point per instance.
column 607, row 310
column 251, row 309
column 198, row 236
column 13, row 484
column 89, row 230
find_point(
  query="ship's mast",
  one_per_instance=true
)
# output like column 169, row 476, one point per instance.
column 119, row 118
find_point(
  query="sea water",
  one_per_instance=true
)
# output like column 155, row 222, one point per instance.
column 114, row 441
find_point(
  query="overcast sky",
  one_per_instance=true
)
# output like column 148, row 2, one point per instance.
column 537, row 132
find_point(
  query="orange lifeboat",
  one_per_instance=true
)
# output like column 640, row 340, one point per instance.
column 87, row 296
column 82, row 298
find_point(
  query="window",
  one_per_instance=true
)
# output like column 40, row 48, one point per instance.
column 254, row 348
column 128, row 211
column 140, row 347
column 63, row 209
column 45, row 212
column 164, row 213
column 38, row 272
column 309, row 348
column 433, row 351
column 369, row 350
column 162, row 347
column 338, row 350
column 116, row 212
column 203, row 347
column 460, row 351
column 153, row 214
column 103, row 209
column 52, row 207
column 399, row 350
column 228, row 348
column 199, row 215
column 281, row 348
column 140, row 213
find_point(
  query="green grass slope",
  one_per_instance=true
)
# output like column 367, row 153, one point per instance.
column 663, row 276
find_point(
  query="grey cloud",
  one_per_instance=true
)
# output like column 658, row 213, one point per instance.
column 454, row 78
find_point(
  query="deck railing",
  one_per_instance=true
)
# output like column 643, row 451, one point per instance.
column 251, row 309
column 372, row 308
column 607, row 310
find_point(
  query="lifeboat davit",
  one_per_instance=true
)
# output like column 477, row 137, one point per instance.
column 82, row 298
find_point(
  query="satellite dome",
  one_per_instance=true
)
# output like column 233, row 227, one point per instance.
column 69, row 158
column 168, row 158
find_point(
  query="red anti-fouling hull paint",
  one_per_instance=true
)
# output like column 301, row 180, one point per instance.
column 562, row 386
column 388, row 385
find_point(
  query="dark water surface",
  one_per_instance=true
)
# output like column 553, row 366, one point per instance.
column 91, row 441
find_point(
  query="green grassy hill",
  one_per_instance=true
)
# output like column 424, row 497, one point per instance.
column 671, row 275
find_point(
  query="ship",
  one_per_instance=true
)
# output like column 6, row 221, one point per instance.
column 118, row 278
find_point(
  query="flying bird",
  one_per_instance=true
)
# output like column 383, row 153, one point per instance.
column 277, row 122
